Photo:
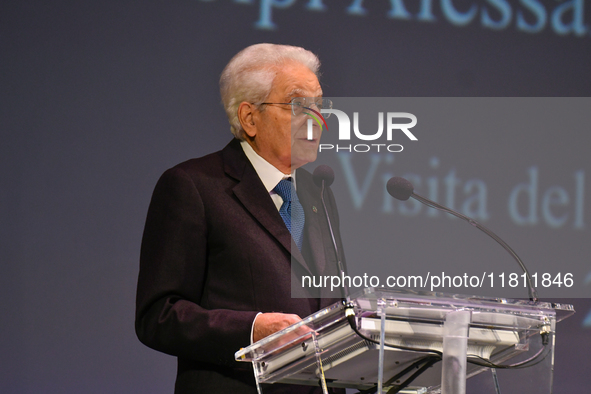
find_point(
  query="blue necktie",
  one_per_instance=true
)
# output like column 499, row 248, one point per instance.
column 291, row 210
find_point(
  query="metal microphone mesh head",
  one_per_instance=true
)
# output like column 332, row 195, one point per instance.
column 399, row 188
column 323, row 173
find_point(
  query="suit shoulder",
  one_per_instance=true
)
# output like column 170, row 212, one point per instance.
column 213, row 163
column 212, row 168
column 202, row 165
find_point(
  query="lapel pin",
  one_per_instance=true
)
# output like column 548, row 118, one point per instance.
column 314, row 209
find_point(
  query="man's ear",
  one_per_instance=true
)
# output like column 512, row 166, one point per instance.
column 246, row 116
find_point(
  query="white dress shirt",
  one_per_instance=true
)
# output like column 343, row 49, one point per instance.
column 269, row 174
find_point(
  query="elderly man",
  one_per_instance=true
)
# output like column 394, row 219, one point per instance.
column 217, row 258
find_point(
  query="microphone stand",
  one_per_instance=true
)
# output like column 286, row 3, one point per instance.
column 533, row 296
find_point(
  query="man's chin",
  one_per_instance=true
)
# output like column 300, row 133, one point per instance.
column 302, row 160
column 304, row 151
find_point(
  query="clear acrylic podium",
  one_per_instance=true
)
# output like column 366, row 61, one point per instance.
column 415, row 342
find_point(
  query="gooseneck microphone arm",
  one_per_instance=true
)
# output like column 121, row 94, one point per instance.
column 323, row 177
column 334, row 242
column 402, row 189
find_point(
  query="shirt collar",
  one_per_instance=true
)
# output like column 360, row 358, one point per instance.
column 269, row 174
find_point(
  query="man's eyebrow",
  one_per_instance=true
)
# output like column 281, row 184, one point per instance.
column 296, row 92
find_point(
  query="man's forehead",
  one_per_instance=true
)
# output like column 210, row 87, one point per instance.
column 297, row 92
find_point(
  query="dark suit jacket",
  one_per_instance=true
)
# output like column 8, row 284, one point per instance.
column 215, row 252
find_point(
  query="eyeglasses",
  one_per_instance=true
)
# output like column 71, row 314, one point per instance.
column 300, row 104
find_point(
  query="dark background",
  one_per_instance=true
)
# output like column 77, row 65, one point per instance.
column 98, row 99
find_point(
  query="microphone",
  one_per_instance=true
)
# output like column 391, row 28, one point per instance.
column 399, row 188
column 402, row 189
column 324, row 174
column 324, row 177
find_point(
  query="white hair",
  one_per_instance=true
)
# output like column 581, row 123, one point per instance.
column 249, row 76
